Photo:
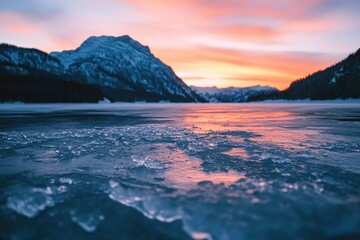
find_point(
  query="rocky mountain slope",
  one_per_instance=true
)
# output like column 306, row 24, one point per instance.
column 341, row 80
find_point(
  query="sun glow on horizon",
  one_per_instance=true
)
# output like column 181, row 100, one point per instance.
column 228, row 75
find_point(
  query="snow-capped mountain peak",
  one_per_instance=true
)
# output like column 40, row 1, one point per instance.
column 122, row 42
column 121, row 63
column 104, row 47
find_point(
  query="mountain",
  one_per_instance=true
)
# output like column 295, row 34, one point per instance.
column 116, row 68
column 125, row 70
column 232, row 94
column 341, row 80
column 29, row 75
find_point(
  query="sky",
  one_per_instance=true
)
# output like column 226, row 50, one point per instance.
column 207, row 42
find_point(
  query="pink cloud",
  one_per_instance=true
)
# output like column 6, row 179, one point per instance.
column 15, row 23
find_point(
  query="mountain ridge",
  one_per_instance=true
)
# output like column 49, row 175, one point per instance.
column 341, row 80
column 232, row 94
column 105, row 60
column 120, row 67
column 338, row 81
column 30, row 75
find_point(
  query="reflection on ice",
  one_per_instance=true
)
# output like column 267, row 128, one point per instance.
column 237, row 152
column 190, row 177
column 180, row 169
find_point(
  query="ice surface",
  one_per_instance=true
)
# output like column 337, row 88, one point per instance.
column 224, row 171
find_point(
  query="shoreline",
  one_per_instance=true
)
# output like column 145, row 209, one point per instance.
column 350, row 100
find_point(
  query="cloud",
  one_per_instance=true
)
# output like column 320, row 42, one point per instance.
column 32, row 9
column 228, row 41
column 224, row 67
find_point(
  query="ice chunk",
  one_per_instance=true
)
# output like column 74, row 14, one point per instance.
column 66, row 180
column 274, row 158
column 147, row 162
column 149, row 205
column 113, row 184
column 89, row 221
column 29, row 201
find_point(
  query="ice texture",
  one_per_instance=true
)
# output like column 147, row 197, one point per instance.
column 178, row 171
column 88, row 222
column 29, row 201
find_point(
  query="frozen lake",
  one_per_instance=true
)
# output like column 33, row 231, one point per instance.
column 179, row 171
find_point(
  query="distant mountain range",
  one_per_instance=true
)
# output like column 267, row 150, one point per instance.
column 121, row 69
column 116, row 68
column 232, row 94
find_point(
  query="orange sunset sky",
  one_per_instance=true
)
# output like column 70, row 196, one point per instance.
column 207, row 42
